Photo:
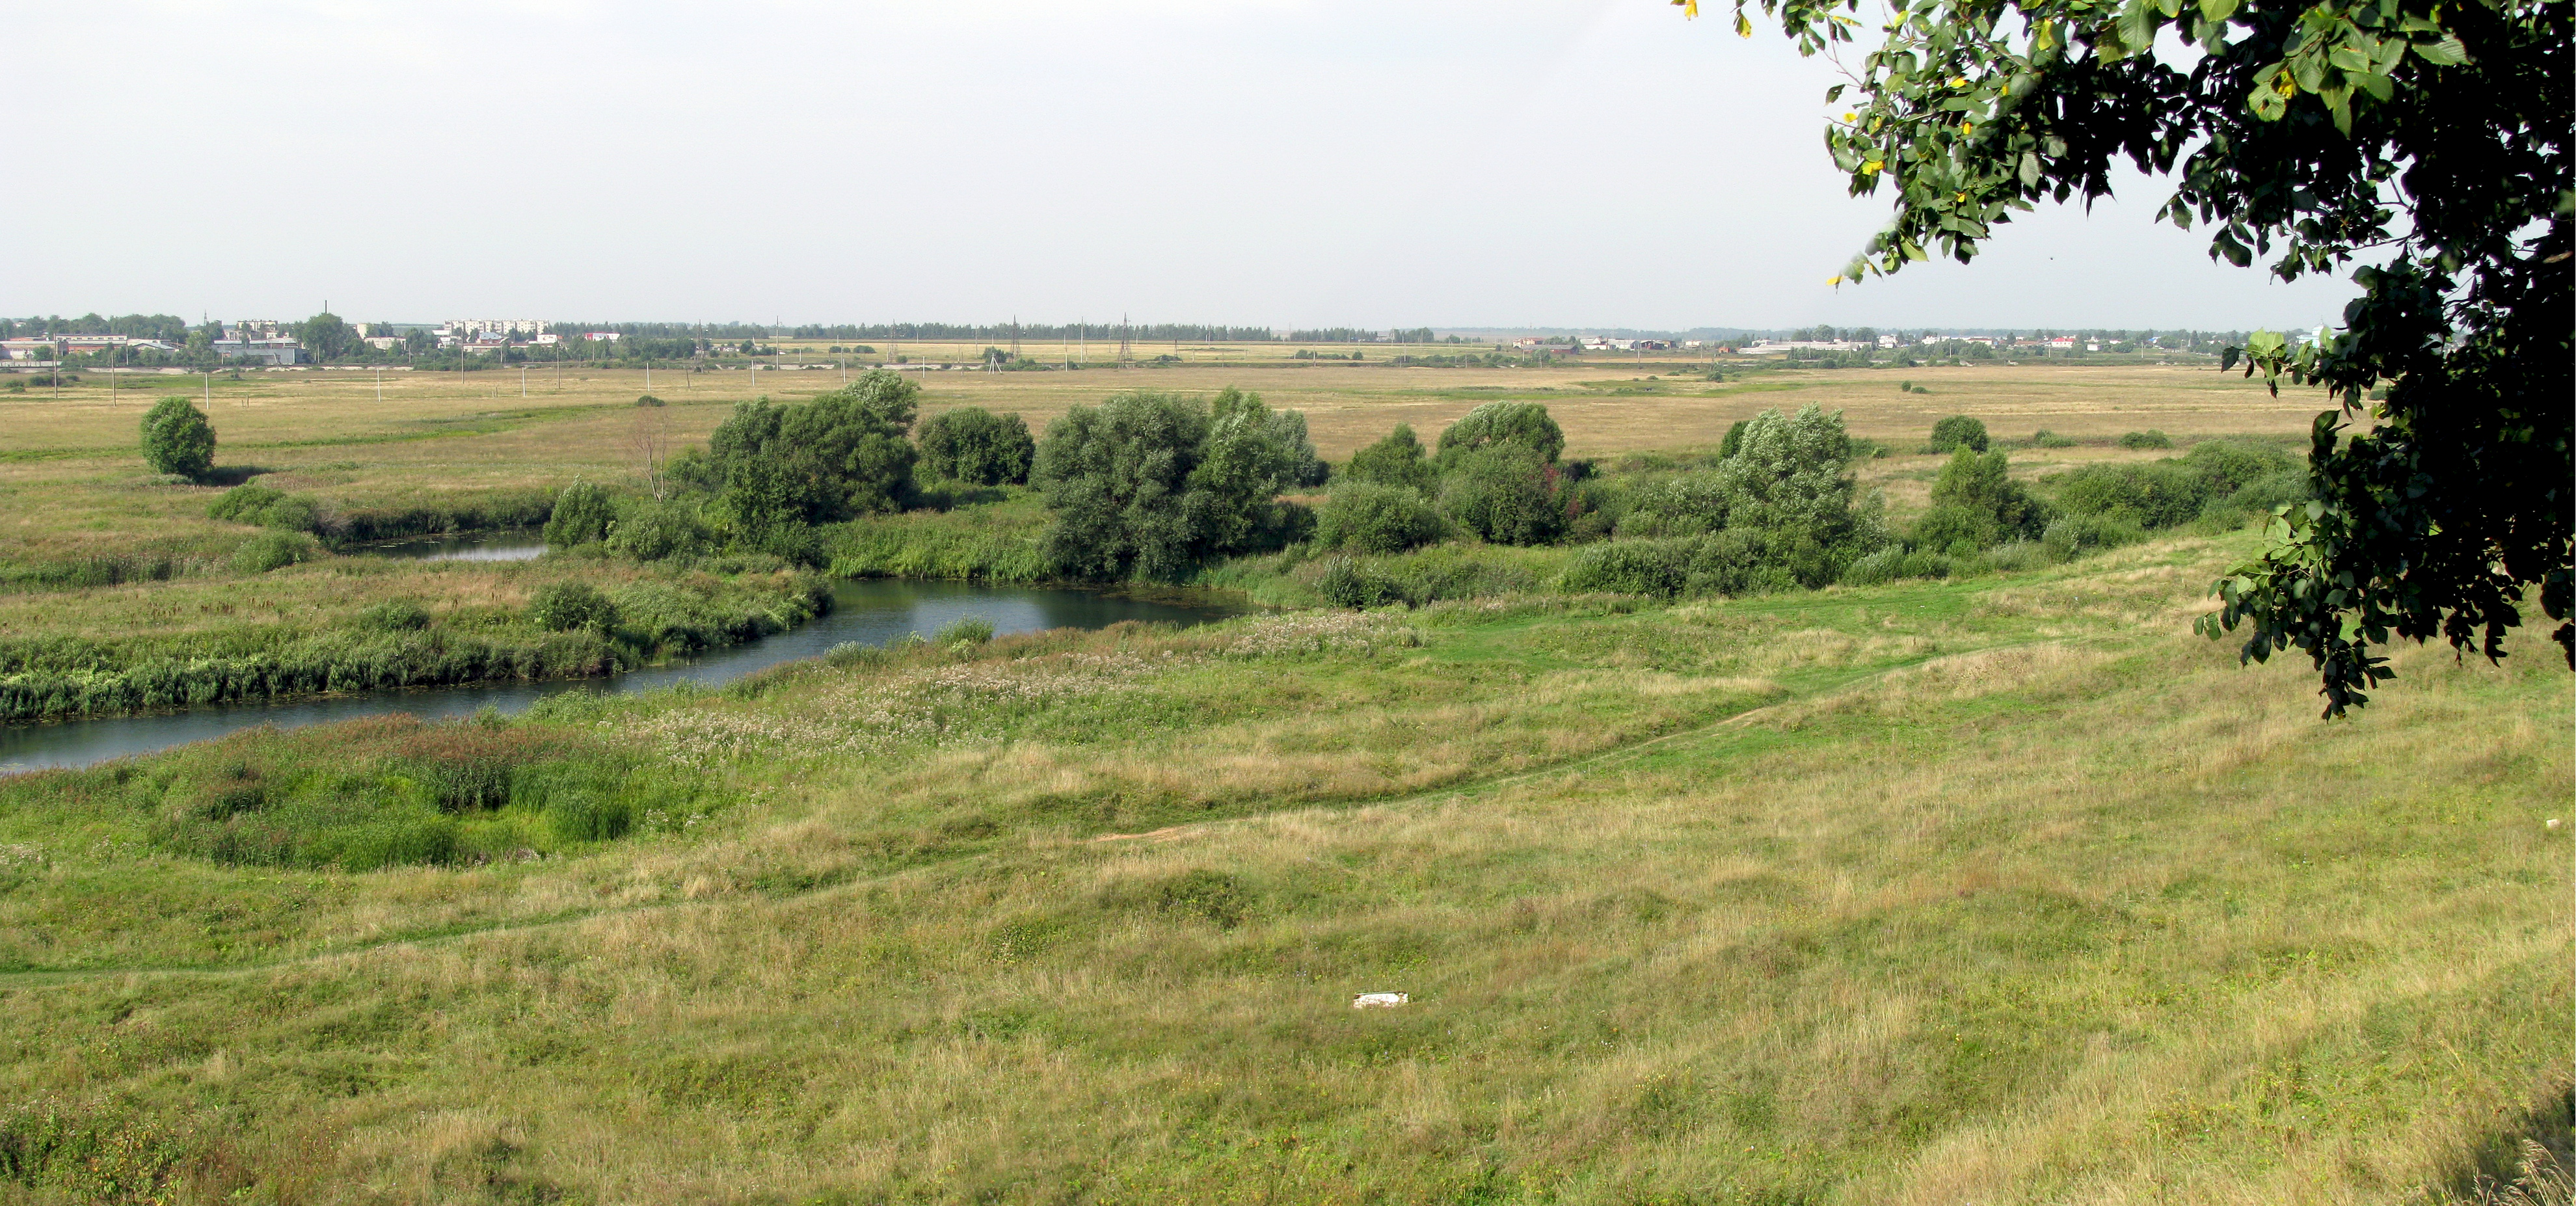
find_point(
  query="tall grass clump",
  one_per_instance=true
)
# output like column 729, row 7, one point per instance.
column 392, row 791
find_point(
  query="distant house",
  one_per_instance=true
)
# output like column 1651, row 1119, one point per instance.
column 2062, row 343
column 602, row 336
column 384, row 343
column 486, row 346
column 27, row 349
column 1888, row 341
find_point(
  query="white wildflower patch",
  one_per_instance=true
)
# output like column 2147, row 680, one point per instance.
column 1322, row 632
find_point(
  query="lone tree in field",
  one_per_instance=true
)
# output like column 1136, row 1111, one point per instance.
column 178, row 439
column 2429, row 136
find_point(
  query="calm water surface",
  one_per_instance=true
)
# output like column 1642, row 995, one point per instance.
column 481, row 546
column 872, row 612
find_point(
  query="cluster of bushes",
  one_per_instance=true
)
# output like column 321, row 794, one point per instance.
column 2219, row 481
column 392, row 791
column 1149, row 485
column 1496, row 475
column 772, row 475
column 1774, row 510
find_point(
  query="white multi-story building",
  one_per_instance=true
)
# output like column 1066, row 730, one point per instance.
column 497, row 328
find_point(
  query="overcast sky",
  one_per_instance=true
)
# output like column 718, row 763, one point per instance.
column 1571, row 163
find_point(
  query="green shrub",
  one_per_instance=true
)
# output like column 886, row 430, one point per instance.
column 1871, row 569
column 966, row 630
column 2232, row 465
column 1147, row 485
column 1346, row 582
column 272, row 550
column 1957, row 432
column 566, row 606
column 1976, row 504
column 1734, row 441
column 850, row 655
column 2221, row 481
column 2157, row 494
column 1368, row 517
column 2072, row 535
column 971, row 444
column 1525, row 425
column 1504, row 493
column 269, row 508
column 399, row 615
column 844, row 453
column 1631, row 567
column 661, row 530
column 1396, row 460
column 178, row 439
column 582, row 515
column 2044, row 438
column 2138, row 440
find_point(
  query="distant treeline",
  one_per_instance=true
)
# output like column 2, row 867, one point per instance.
column 167, row 327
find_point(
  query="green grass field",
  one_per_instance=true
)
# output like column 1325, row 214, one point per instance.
column 2004, row 890
column 2000, row 889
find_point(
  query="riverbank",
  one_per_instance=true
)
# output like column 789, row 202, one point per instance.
column 342, row 624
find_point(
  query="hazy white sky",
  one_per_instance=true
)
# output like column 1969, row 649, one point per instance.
column 1285, row 162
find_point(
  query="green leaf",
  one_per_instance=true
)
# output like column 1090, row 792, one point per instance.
column 2029, row 170
column 2217, row 10
column 2446, row 53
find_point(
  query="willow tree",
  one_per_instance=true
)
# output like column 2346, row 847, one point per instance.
column 2421, row 144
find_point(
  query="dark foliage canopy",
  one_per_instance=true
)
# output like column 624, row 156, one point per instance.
column 972, row 444
column 1146, row 485
column 1526, row 425
column 2425, row 140
column 842, row 454
column 1396, row 460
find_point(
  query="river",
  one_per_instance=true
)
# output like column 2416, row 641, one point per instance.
column 873, row 611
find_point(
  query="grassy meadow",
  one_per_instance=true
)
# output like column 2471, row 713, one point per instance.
column 2002, row 888
column 74, row 485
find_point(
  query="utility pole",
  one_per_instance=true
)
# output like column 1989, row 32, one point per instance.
column 523, row 381
column 1124, row 352
column 1015, row 337
column 380, row 387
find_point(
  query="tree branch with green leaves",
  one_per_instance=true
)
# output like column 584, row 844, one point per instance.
column 2421, row 144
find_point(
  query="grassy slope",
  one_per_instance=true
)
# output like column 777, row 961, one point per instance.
column 2005, row 890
